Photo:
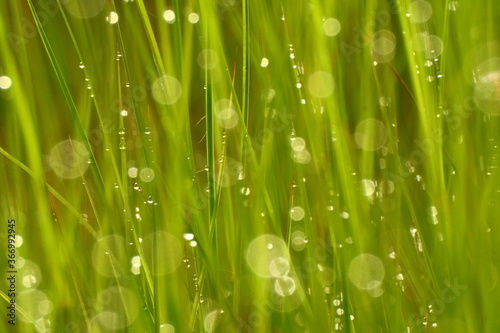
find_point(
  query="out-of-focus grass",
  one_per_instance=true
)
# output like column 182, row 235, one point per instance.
column 223, row 166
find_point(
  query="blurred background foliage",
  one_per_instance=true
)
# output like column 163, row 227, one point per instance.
column 253, row 166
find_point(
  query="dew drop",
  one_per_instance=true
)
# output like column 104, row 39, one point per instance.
column 367, row 187
column 320, row 84
column 331, row 27
column 262, row 251
column 285, row 286
column 366, row 271
column 167, row 90
column 279, row 267
column 420, row 11
column 169, row 16
column 147, row 175
column 297, row 213
column 370, row 134
column 188, row 236
column 193, row 18
column 432, row 211
column 245, row 190
column 112, row 18
column 5, row 82
column 298, row 143
column 264, row 63
column 453, row 5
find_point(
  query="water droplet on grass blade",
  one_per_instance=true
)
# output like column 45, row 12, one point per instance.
column 188, row 236
column 226, row 114
column 370, row 134
column 169, row 16
column 366, row 271
column 227, row 118
column 302, row 157
column 29, row 274
column 384, row 101
column 320, row 84
column 112, row 18
column 416, row 238
column 297, row 213
column 147, row 175
column 367, row 187
column 432, row 211
column 298, row 240
column 167, row 328
column 193, row 18
column 118, row 307
column 69, row 159
column 109, row 256
column 384, row 42
column 420, row 11
column 285, row 298
column 132, row 172
column 487, row 86
column 331, row 27
column 18, row 241
column 262, row 251
column 430, row 44
column 383, row 46
column 167, row 90
column 166, row 243
column 375, row 292
column 298, row 143
column 386, row 187
column 34, row 303
column 245, row 190
column 284, row 286
column 208, row 59
column 84, row 11
column 279, row 267
column 211, row 321
column 5, row 82
column 136, row 261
